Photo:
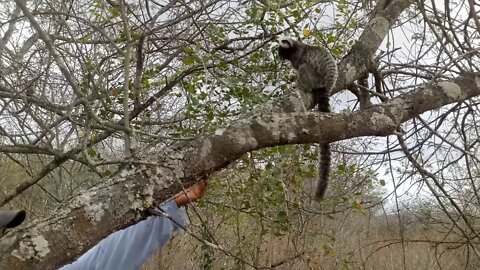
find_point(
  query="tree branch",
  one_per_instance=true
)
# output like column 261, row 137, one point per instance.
column 357, row 61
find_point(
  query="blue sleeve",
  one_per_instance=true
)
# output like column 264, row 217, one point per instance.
column 130, row 248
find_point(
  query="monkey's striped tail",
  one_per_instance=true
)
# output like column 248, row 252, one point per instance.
column 323, row 170
column 321, row 98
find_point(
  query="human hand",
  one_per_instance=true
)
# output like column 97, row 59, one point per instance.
column 191, row 194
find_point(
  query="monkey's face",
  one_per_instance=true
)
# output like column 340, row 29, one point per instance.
column 287, row 48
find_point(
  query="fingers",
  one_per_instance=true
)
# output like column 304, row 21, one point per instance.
column 191, row 194
column 202, row 184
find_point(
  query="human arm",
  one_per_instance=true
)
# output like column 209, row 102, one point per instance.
column 128, row 249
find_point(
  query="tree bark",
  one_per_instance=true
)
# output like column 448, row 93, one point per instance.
column 356, row 63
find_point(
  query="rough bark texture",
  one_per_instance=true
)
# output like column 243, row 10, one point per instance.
column 356, row 63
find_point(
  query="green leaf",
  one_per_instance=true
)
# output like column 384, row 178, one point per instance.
column 203, row 96
column 296, row 14
column 268, row 167
column 358, row 206
column 282, row 216
column 85, row 39
column 114, row 11
column 145, row 82
column 223, row 65
column 352, row 169
column 91, row 152
column 382, row 182
column 189, row 60
column 331, row 38
column 326, row 248
column 341, row 169
column 210, row 115
column 107, row 172
column 190, row 89
column 188, row 50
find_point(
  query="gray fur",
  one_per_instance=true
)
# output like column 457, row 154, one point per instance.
column 315, row 65
column 316, row 75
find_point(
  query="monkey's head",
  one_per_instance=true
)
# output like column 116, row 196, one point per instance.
column 288, row 48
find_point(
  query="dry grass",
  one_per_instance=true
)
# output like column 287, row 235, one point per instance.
column 354, row 241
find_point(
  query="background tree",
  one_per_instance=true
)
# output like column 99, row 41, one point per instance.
column 110, row 106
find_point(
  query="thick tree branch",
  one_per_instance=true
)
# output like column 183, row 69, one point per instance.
column 298, row 128
column 359, row 58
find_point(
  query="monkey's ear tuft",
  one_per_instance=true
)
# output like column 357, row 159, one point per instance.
column 285, row 42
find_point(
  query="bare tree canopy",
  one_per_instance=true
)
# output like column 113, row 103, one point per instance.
column 109, row 107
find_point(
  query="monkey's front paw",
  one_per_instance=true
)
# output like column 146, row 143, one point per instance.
column 292, row 76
